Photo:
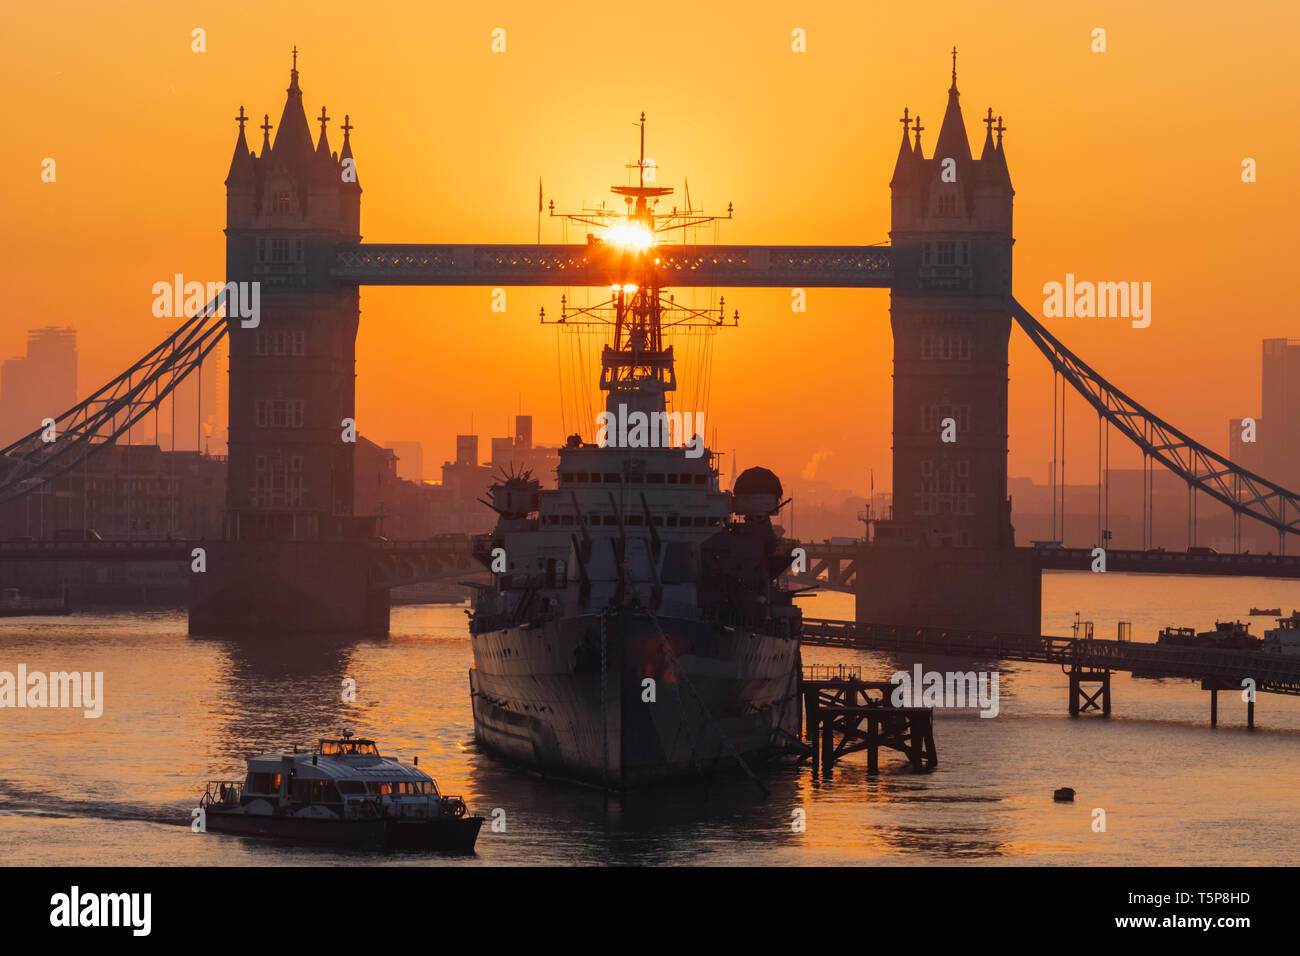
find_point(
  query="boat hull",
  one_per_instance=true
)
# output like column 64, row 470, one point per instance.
column 454, row 834
column 674, row 695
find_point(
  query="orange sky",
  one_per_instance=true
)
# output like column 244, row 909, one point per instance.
column 1126, row 166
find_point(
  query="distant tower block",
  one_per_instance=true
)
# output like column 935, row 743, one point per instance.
column 467, row 449
column 503, row 453
column 524, row 432
column 40, row 383
column 951, row 241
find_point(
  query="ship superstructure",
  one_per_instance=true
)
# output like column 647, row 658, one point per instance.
column 634, row 629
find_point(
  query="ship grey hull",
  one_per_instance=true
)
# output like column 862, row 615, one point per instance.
column 670, row 700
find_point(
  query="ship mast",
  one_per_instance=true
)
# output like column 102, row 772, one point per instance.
column 637, row 368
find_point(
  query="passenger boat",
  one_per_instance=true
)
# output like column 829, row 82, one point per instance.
column 1265, row 612
column 344, row 791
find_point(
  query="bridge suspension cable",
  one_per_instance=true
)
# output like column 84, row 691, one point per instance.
column 32, row 461
column 1245, row 492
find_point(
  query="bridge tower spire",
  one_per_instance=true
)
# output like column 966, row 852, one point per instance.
column 952, row 142
column 903, row 165
column 241, row 163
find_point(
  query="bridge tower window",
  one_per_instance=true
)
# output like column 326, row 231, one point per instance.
column 947, row 347
column 281, row 343
column 278, row 413
column 933, row 415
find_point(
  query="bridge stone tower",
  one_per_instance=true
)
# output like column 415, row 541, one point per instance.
column 293, row 557
column 948, row 547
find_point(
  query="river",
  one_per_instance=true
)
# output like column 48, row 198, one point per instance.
column 178, row 711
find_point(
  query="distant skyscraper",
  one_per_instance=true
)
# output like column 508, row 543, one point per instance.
column 214, row 401
column 1275, row 453
column 1281, row 410
column 518, row 454
column 467, row 449
column 524, row 432
column 503, row 452
column 40, row 385
column 1248, row 454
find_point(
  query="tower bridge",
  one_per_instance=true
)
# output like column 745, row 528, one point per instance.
column 294, row 555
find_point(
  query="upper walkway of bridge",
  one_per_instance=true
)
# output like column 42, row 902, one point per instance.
column 595, row 264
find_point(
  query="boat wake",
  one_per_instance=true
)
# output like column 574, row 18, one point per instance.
column 18, row 801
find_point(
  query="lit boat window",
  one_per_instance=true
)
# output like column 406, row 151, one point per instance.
column 348, row 748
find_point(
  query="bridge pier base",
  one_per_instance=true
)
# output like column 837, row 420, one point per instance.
column 983, row 589
column 1081, row 700
column 285, row 587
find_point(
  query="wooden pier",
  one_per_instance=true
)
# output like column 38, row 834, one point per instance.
column 1083, row 659
column 844, row 714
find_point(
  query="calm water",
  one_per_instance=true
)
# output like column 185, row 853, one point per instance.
column 179, row 711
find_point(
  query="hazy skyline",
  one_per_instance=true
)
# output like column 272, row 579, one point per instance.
column 1126, row 164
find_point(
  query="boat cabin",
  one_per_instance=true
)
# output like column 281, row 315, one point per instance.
column 347, row 747
column 339, row 772
column 1285, row 638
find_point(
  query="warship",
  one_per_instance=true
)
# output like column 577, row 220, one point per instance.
column 635, row 628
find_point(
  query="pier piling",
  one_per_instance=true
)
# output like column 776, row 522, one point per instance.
column 1214, row 685
column 1081, row 700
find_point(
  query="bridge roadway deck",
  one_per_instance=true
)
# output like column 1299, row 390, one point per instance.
column 1271, row 672
column 1171, row 562
column 838, row 562
column 147, row 550
column 451, row 546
